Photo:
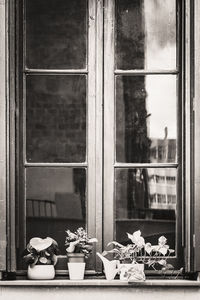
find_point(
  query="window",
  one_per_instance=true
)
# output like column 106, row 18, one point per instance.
column 103, row 134
column 143, row 121
column 58, row 119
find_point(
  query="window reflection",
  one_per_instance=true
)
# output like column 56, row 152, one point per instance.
column 56, row 118
column 146, row 34
column 146, row 121
column 146, row 200
column 55, row 201
column 55, row 33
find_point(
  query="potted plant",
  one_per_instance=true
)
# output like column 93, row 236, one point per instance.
column 78, row 246
column 136, row 254
column 41, row 257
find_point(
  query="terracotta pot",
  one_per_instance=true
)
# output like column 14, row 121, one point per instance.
column 76, row 266
column 41, row 272
column 75, row 257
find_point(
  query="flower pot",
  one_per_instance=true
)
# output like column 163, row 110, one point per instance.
column 76, row 270
column 76, row 266
column 75, row 257
column 131, row 272
column 41, row 272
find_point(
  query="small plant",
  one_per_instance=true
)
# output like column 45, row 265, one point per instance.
column 140, row 252
column 41, row 252
column 79, row 242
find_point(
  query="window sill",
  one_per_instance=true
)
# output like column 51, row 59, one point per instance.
column 102, row 283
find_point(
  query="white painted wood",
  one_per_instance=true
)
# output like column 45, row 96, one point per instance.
column 91, row 115
column 27, row 164
column 109, row 117
column 145, row 165
column 145, row 72
column 55, row 71
column 11, row 111
column 99, row 128
column 187, row 138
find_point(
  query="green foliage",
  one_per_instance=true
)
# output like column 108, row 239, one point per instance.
column 79, row 242
column 154, row 256
column 41, row 252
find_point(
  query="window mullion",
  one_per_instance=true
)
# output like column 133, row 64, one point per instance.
column 197, row 136
column 99, row 129
column 188, row 140
column 146, row 165
column 55, row 71
column 145, row 72
column 109, row 118
column 95, row 78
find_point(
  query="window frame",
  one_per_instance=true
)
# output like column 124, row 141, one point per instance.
column 93, row 129
column 196, row 112
column 110, row 163
column 191, row 207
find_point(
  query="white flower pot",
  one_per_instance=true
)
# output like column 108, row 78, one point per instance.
column 76, row 270
column 41, row 272
column 137, row 271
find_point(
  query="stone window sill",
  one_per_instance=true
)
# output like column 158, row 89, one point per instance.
column 102, row 283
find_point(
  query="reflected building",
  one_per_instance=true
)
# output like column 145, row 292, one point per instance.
column 145, row 196
column 162, row 182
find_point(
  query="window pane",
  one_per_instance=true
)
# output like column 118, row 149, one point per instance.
column 146, row 121
column 146, row 200
column 55, row 201
column 56, row 34
column 146, row 34
column 56, row 118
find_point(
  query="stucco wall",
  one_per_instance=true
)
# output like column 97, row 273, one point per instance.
column 100, row 293
column 11, row 292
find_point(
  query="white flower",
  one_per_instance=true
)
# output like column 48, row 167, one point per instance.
column 148, row 248
column 162, row 240
column 163, row 250
column 71, row 235
column 72, row 246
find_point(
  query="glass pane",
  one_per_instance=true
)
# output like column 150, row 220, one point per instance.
column 146, row 120
column 145, row 34
column 146, row 200
column 55, row 202
column 56, row 34
column 56, row 118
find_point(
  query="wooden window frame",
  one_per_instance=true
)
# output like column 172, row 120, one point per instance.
column 93, row 162
column 110, row 163
column 9, row 111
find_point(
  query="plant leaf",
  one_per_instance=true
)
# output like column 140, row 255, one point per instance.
column 93, row 240
column 35, row 262
column 115, row 244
